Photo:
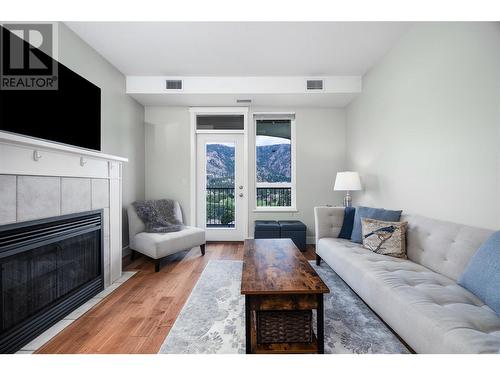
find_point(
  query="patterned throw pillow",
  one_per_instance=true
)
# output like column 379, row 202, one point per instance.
column 385, row 237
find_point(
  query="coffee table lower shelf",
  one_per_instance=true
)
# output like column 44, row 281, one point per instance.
column 282, row 348
column 254, row 303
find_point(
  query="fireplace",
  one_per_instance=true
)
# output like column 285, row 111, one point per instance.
column 48, row 268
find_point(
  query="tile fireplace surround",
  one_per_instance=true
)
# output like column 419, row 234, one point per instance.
column 41, row 179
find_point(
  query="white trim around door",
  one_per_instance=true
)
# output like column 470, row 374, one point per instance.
column 194, row 112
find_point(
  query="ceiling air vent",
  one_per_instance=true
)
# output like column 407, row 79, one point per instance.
column 315, row 84
column 174, row 84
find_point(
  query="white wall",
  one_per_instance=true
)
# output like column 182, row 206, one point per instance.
column 168, row 155
column 425, row 132
column 320, row 148
column 122, row 118
column 320, row 154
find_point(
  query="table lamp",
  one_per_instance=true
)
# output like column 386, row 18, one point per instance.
column 347, row 181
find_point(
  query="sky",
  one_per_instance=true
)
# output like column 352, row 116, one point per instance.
column 264, row 140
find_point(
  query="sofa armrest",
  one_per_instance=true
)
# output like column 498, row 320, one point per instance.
column 328, row 221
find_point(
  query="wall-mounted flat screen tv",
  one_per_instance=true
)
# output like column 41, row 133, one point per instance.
column 71, row 114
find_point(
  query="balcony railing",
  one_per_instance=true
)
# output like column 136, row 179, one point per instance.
column 220, row 203
column 274, row 197
column 220, row 208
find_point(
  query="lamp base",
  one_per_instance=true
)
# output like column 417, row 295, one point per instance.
column 347, row 200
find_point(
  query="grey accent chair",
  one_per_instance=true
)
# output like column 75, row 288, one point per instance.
column 160, row 245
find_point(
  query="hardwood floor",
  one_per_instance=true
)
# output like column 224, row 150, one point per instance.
column 137, row 317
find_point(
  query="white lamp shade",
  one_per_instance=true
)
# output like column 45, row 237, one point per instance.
column 347, row 181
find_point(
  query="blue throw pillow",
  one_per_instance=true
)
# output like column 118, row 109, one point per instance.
column 482, row 274
column 346, row 230
column 371, row 213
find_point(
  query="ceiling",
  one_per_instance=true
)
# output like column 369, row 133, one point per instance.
column 241, row 48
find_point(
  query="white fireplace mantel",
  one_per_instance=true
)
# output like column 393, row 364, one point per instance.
column 25, row 155
column 26, row 162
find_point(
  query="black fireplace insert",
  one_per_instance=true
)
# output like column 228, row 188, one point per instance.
column 48, row 268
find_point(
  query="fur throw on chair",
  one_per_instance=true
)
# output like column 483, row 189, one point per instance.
column 158, row 215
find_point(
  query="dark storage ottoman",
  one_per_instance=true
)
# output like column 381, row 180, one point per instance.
column 296, row 230
column 266, row 229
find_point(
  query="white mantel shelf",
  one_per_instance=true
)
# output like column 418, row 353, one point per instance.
column 35, row 143
column 20, row 155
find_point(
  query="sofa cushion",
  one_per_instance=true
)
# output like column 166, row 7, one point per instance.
column 371, row 213
column 346, row 230
column 442, row 246
column 482, row 274
column 158, row 245
column 430, row 312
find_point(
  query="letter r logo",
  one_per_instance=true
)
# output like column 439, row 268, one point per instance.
column 28, row 56
column 27, row 49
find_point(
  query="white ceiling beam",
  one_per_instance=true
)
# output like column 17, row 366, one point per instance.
column 243, row 85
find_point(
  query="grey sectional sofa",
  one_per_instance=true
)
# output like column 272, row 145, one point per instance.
column 418, row 297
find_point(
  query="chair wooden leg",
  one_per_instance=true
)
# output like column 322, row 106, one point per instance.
column 318, row 260
column 202, row 248
column 157, row 265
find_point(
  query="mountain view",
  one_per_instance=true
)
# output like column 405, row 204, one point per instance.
column 220, row 165
column 273, row 164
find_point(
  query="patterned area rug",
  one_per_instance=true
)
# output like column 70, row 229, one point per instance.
column 212, row 320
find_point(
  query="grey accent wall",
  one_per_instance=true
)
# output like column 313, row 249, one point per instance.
column 122, row 118
column 320, row 155
column 425, row 132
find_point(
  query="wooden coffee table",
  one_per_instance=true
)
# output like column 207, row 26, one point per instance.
column 277, row 279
